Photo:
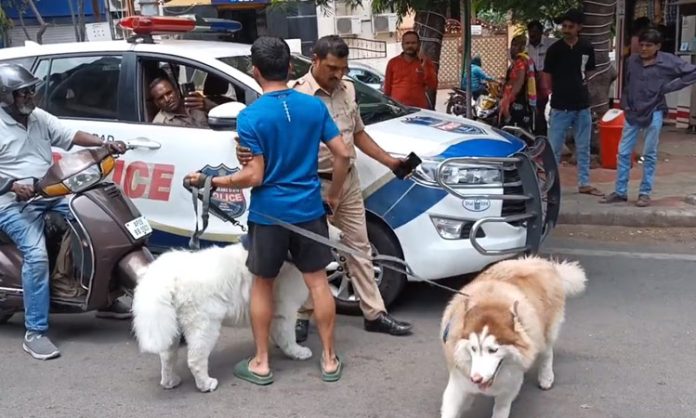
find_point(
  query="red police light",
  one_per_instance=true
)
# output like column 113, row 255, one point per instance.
column 148, row 25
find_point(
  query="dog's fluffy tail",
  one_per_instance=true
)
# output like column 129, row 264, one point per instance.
column 154, row 315
column 572, row 276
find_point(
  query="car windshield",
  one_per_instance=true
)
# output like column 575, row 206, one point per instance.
column 374, row 106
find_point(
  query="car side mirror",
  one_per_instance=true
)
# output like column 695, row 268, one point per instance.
column 224, row 117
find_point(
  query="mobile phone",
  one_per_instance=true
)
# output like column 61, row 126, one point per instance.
column 187, row 88
column 407, row 167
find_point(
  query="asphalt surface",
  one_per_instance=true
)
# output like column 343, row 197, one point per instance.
column 626, row 350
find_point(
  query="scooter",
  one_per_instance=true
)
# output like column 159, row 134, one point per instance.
column 107, row 233
column 485, row 108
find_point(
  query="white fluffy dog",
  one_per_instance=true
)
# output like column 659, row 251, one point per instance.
column 196, row 293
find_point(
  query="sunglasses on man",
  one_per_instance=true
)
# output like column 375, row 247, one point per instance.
column 26, row 91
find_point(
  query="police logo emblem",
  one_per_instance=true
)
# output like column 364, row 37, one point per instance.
column 231, row 201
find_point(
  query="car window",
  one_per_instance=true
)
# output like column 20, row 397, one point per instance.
column 80, row 87
column 374, row 106
column 216, row 89
column 365, row 76
column 25, row 62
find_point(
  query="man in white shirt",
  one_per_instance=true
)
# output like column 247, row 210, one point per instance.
column 537, row 44
column 27, row 134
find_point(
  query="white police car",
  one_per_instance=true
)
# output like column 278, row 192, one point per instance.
column 480, row 195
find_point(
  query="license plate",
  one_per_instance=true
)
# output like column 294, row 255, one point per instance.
column 139, row 227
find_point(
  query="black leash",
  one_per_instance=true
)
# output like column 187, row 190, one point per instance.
column 195, row 241
column 386, row 261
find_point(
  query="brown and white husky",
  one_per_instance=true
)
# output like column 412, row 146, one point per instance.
column 511, row 314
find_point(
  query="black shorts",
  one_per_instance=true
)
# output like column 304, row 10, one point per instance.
column 269, row 246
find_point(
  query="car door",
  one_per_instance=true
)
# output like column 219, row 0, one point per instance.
column 152, row 173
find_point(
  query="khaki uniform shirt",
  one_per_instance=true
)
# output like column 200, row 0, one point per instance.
column 194, row 119
column 343, row 109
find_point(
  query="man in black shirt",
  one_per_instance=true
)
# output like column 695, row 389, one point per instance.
column 566, row 66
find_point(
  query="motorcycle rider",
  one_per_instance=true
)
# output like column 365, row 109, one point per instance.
column 27, row 134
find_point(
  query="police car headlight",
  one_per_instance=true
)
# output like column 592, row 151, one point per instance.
column 448, row 228
column 84, row 179
column 453, row 174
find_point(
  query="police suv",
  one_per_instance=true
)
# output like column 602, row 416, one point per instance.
column 480, row 195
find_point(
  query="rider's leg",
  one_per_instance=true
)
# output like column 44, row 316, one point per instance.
column 25, row 227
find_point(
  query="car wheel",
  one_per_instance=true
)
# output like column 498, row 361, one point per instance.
column 5, row 317
column 390, row 282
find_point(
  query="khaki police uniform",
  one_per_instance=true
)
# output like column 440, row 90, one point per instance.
column 194, row 118
column 350, row 214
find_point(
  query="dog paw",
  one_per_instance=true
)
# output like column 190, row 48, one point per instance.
column 546, row 380
column 171, row 383
column 208, row 386
column 300, row 353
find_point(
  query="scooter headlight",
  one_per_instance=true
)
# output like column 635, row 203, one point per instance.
column 84, row 179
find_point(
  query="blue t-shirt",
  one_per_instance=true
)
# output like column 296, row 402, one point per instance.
column 286, row 127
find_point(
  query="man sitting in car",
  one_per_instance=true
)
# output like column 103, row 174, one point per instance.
column 172, row 108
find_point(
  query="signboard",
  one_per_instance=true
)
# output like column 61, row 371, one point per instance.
column 476, row 30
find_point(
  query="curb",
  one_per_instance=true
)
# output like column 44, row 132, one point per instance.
column 630, row 216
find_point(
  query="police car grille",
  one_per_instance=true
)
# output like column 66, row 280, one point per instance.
column 513, row 207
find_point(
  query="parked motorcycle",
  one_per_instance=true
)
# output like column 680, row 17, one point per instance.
column 484, row 109
column 108, row 235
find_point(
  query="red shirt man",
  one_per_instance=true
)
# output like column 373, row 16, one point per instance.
column 410, row 77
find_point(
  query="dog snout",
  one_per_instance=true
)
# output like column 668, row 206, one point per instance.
column 477, row 379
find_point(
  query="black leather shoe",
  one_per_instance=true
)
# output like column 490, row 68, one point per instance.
column 386, row 324
column 301, row 330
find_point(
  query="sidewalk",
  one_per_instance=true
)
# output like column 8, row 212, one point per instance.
column 675, row 183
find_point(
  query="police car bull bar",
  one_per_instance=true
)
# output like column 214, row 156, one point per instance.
column 541, row 193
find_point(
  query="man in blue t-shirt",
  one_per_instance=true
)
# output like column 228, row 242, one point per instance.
column 284, row 128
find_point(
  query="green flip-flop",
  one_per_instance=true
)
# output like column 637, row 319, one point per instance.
column 241, row 370
column 334, row 376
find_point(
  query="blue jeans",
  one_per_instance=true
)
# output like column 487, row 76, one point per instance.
column 629, row 138
column 26, row 229
column 581, row 120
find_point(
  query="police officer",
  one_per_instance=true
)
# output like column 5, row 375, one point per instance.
column 326, row 81
column 27, row 134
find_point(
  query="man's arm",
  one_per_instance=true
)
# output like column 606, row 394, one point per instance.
column 251, row 175
column 84, row 139
column 341, row 164
column 684, row 73
column 388, row 78
column 546, row 81
column 430, row 75
column 366, row 144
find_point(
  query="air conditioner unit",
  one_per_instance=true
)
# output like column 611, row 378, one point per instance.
column 384, row 23
column 348, row 25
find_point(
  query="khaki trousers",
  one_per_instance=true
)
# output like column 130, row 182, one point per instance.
column 350, row 219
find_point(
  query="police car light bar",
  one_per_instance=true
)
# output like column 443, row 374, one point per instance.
column 149, row 25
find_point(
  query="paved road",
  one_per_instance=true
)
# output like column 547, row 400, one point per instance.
column 627, row 350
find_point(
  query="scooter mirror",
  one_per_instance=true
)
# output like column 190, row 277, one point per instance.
column 5, row 185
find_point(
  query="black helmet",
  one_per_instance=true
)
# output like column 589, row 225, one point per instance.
column 14, row 77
